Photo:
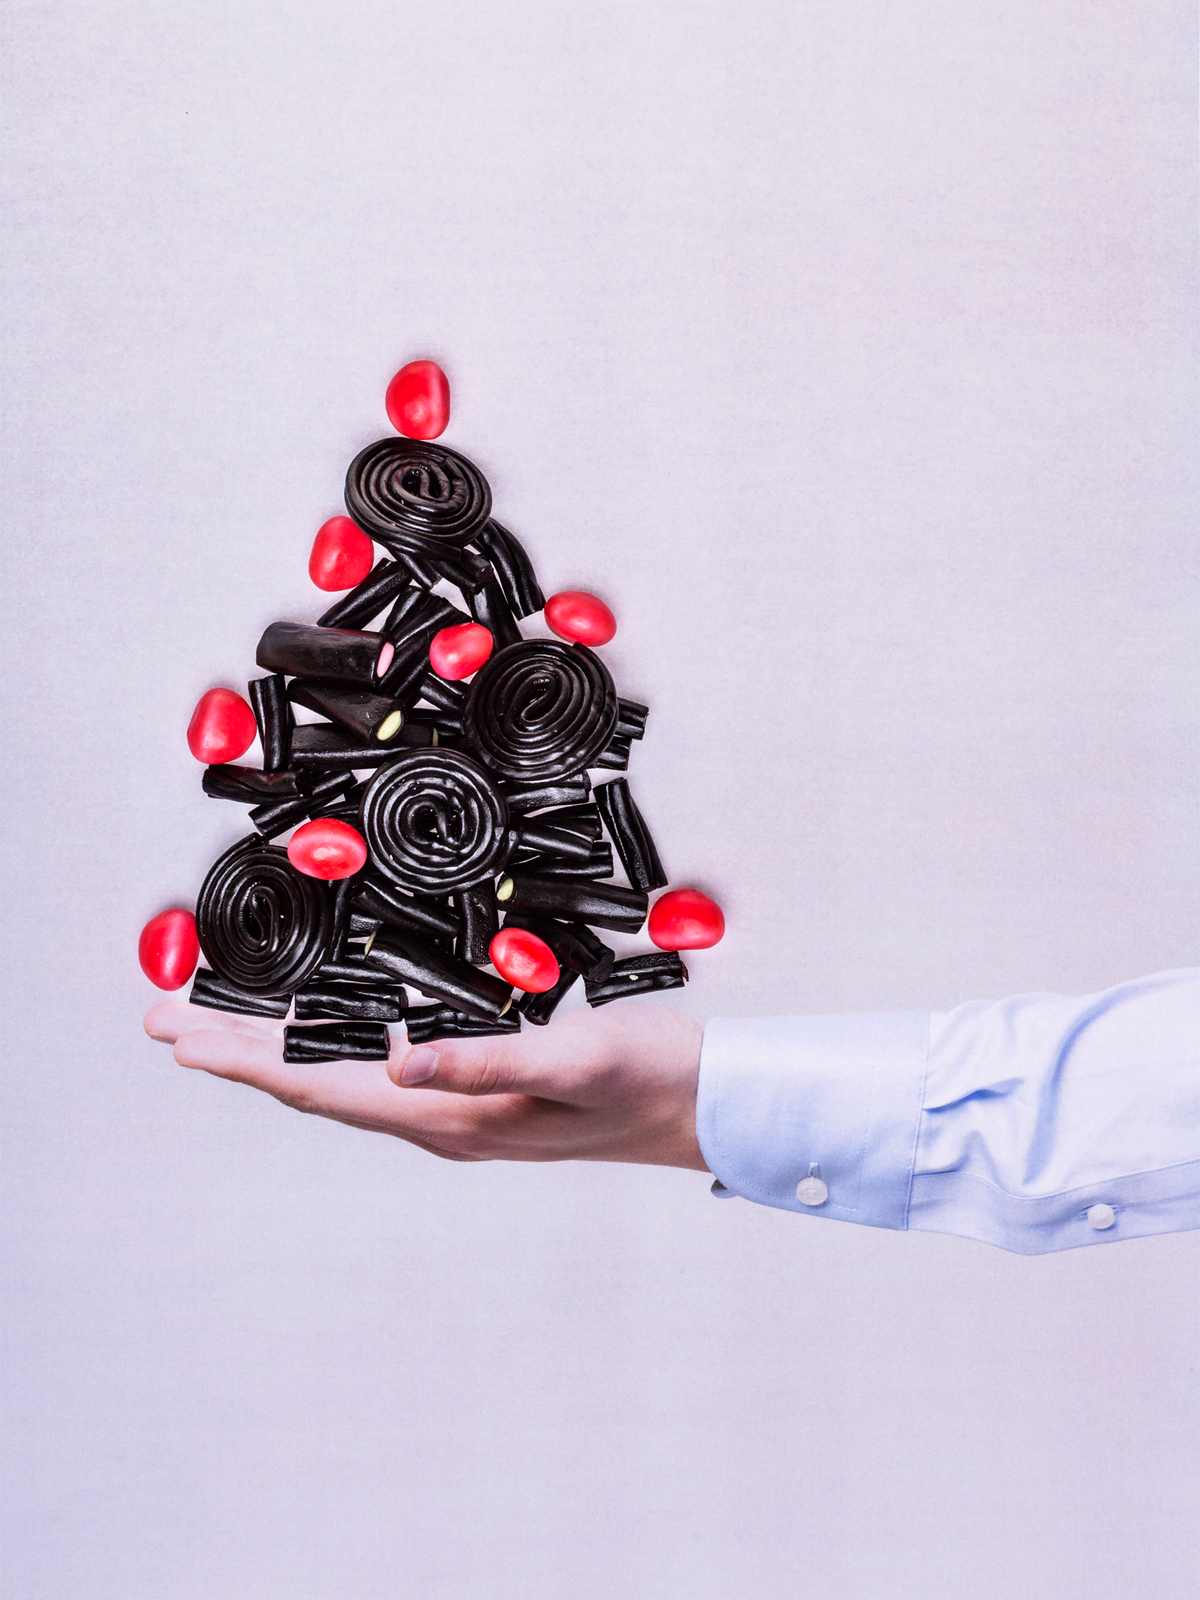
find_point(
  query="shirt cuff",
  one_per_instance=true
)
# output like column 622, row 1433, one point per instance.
column 779, row 1096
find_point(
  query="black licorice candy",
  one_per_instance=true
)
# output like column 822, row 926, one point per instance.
column 631, row 718
column 317, row 745
column 249, row 786
column 615, row 755
column 444, row 695
column 405, row 959
column 582, row 819
column 308, row 652
column 428, row 916
column 598, row 863
column 541, row 710
column 435, row 821
column 422, row 574
column 638, row 975
column 403, row 679
column 465, row 570
column 480, row 918
column 490, row 609
column 372, row 717
column 569, row 791
column 574, row 944
column 273, row 715
column 512, row 567
column 350, row 1001
column 416, row 617
column 601, row 905
column 209, row 990
column 414, row 495
column 539, row 1008
column 539, row 834
column 262, row 925
column 364, row 603
column 277, row 816
column 630, row 835
column 426, row 1023
column 336, row 1041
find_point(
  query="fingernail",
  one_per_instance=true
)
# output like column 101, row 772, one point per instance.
column 420, row 1066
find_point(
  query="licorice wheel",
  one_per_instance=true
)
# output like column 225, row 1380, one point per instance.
column 435, row 822
column 541, row 710
column 417, row 497
column 263, row 926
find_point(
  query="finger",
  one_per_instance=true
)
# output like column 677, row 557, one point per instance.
column 549, row 1064
column 171, row 1019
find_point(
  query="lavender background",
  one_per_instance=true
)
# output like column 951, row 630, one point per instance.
column 850, row 352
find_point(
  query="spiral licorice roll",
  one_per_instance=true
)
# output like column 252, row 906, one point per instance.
column 262, row 925
column 414, row 496
column 541, row 710
column 435, row 822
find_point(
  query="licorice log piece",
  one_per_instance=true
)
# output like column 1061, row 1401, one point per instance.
column 403, row 679
column 209, row 990
column 583, row 820
column 541, row 711
column 597, row 864
column 413, row 961
column 490, row 609
column 273, row 714
column 364, row 603
column 513, row 568
column 337, row 1041
column 539, row 1008
column 277, row 816
column 480, row 918
column 435, row 821
column 444, row 1022
column 446, row 696
column 537, row 796
column 349, row 966
column 638, row 975
column 353, row 1002
column 413, row 495
column 372, row 717
column 416, row 617
column 428, row 918
column 600, row 905
column 422, row 574
column 361, row 926
column 630, row 835
column 317, row 745
column 574, row 944
column 464, row 569
column 631, row 718
column 615, row 755
column 344, row 890
column 224, row 781
column 305, row 652
column 443, row 723
column 540, row 835
column 262, row 925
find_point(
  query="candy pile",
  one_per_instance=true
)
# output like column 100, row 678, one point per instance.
column 447, row 786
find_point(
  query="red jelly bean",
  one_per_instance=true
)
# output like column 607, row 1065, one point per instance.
column 523, row 960
column 342, row 555
column 685, row 919
column 418, row 400
column 169, row 949
column 580, row 617
column 458, row 652
column 327, row 848
column 222, row 727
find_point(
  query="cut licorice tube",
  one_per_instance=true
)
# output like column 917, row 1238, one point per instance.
column 444, row 1022
column 615, row 755
column 638, row 975
column 273, row 715
column 354, row 1002
column 541, row 710
column 350, row 656
column 403, row 679
column 277, row 816
column 573, row 943
column 572, row 790
column 318, row 745
column 372, row 717
column 631, row 719
column 464, row 569
column 364, row 603
column 513, row 568
column 336, row 1041
column 249, row 786
column 491, row 610
column 444, row 723
column 480, row 918
column 539, row 1008
column 344, row 890
column 422, row 574
column 539, row 834
column 630, row 835
column 597, row 864
column 416, row 617
column 601, row 905
column 349, row 966
column 414, row 496
column 209, row 990
column 361, row 926
column 429, row 918
column 583, row 819
column 413, row 961
column 444, row 696
column 262, row 925
column 435, row 822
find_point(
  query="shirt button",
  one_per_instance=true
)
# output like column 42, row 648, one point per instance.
column 812, row 1191
column 1101, row 1216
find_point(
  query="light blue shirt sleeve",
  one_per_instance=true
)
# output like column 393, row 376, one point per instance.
column 1036, row 1123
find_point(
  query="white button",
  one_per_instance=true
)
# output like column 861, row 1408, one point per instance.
column 1101, row 1216
column 812, row 1191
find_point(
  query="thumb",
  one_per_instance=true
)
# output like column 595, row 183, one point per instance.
column 499, row 1064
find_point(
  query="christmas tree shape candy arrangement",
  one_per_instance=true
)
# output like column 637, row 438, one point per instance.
column 446, row 790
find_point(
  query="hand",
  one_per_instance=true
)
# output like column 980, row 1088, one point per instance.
column 617, row 1084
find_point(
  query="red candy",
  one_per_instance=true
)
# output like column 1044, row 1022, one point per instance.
column 580, row 617
column 458, row 652
column 418, row 400
column 327, row 848
column 169, row 949
column 342, row 555
column 685, row 919
column 222, row 727
column 524, row 960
